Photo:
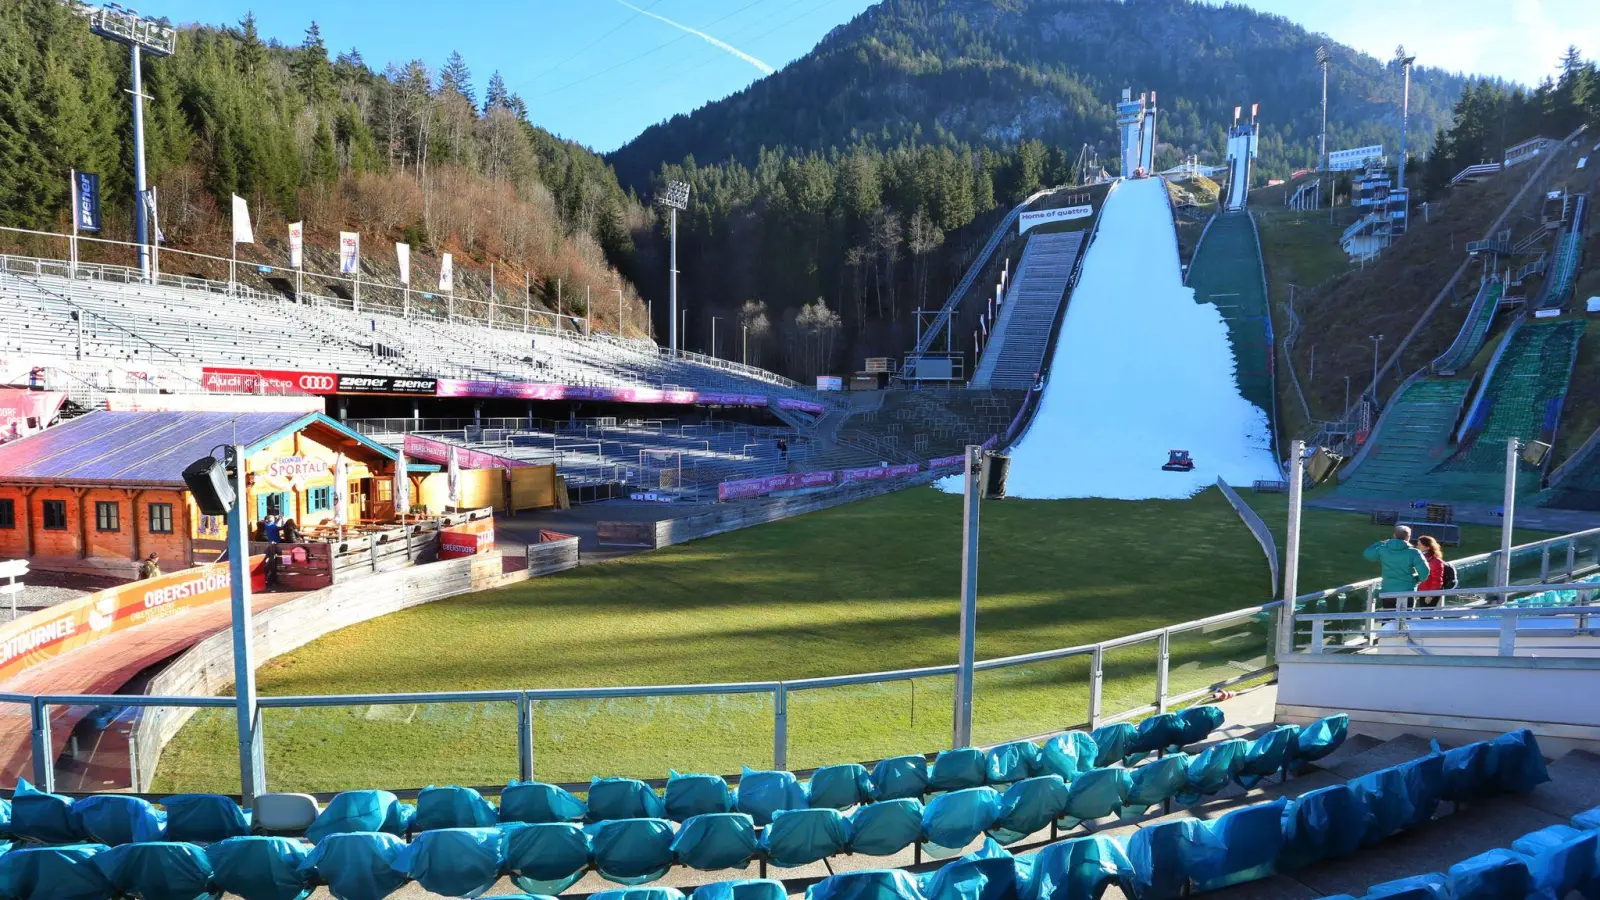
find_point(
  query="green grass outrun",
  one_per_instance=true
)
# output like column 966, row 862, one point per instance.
column 866, row 587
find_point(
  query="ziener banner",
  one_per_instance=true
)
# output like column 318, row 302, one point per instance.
column 1030, row 219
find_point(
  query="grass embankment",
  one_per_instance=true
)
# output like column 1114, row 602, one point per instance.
column 865, row 587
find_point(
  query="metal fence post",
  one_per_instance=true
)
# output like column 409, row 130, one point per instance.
column 1508, row 632
column 44, row 770
column 1163, row 657
column 1097, row 665
column 524, row 737
column 1316, row 635
column 1572, row 557
column 1544, row 565
column 780, row 727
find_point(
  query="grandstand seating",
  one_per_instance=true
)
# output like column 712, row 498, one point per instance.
column 1015, row 352
column 1522, row 399
column 1334, row 824
column 1474, row 330
column 1226, row 271
column 168, row 324
column 1412, row 438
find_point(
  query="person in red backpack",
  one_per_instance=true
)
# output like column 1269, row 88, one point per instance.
column 1434, row 554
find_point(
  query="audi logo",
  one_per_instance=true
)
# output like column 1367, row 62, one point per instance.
column 316, row 383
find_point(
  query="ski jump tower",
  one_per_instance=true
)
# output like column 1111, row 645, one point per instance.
column 1137, row 120
column 1242, row 142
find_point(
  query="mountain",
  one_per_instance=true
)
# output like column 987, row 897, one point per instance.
column 996, row 72
column 409, row 153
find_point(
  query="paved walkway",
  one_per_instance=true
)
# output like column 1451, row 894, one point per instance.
column 103, row 667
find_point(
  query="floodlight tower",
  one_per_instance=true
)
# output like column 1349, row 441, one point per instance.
column 676, row 198
column 141, row 35
column 1405, row 116
column 1322, row 146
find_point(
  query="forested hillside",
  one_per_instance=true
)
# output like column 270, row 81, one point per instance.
column 1002, row 71
column 409, row 153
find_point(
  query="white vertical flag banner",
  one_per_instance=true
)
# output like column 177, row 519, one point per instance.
column 402, row 253
column 341, row 490
column 297, row 236
column 349, row 252
column 447, row 273
column 241, row 222
column 453, row 479
column 402, row 486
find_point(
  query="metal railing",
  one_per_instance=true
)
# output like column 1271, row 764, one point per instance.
column 1486, row 631
column 1015, row 697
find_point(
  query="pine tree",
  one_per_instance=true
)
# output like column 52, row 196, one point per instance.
column 311, row 68
column 324, row 161
column 496, row 96
column 456, row 76
column 252, row 53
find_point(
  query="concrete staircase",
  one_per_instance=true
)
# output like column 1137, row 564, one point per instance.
column 1015, row 352
column 1414, row 436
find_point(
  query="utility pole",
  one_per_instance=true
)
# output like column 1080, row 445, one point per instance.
column 1376, row 339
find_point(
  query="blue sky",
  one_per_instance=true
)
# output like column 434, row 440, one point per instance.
column 600, row 71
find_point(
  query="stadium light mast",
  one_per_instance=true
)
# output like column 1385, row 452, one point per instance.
column 676, row 198
column 1405, row 116
column 1322, row 146
column 141, row 35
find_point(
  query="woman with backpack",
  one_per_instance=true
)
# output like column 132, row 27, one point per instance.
column 1441, row 575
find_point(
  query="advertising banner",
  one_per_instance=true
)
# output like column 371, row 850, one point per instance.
column 534, row 391
column 267, row 381
column 349, row 252
column 242, row 233
column 758, row 487
column 1030, row 219
column 945, row 462
column 802, row 405
column 386, row 384
column 295, row 402
column 86, row 201
column 830, row 383
column 878, row 473
column 447, row 273
column 72, row 624
column 297, row 236
column 466, row 539
column 293, row 473
column 430, row 450
column 24, row 412
column 402, row 255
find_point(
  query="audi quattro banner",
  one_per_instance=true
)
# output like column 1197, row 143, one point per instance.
column 282, row 381
column 1030, row 219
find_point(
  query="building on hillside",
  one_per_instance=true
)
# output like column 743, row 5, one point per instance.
column 1528, row 149
column 100, row 492
column 1385, row 211
column 1354, row 158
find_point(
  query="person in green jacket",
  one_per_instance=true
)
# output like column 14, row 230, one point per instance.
column 1403, row 566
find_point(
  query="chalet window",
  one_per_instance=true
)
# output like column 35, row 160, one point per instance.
column 160, row 518
column 8, row 514
column 55, row 515
column 385, row 490
column 319, row 499
column 107, row 516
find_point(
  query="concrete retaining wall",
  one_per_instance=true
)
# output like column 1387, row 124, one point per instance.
column 206, row 669
column 733, row 516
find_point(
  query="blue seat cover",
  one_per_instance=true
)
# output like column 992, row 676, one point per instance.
column 1155, row 733
column 1250, row 838
column 715, row 841
column 1417, row 887
column 840, row 787
column 763, row 793
column 1079, row 869
column 989, row 873
column 260, row 868
column 1028, row 806
column 204, row 818
column 356, row 865
column 1327, row 823
column 1212, row 769
column 1157, row 781
column 1011, row 762
column 117, row 819
column 1097, row 793
column 354, row 812
column 158, row 871
column 886, row 827
column 1320, row 738
column 1114, row 743
column 1562, row 860
column 536, row 802
column 954, row 770
column 455, row 862
column 631, row 851
column 623, row 798
column 900, row 778
column 696, row 795
column 800, row 836
column 545, row 857
column 741, row 889
column 639, row 893
column 1162, row 856
column 951, row 821
column 1266, row 756
column 1069, row 755
column 1196, row 724
column 66, row 872
column 872, row 884
column 453, row 807
column 42, row 816
column 1490, row 876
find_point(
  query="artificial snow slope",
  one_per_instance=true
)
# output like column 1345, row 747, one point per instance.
column 1140, row 368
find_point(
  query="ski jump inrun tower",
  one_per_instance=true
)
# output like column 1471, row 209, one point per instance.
column 1242, row 143
column 1137, row 120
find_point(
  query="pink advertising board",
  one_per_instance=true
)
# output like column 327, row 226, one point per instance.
column 801, row 405
column 429, row 450
column 529, row 391
column 878, row 473
column 946, row 462
column 757, row 487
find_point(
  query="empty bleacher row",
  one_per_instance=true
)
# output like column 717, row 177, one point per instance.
column 1014, row 355
column 166, row 324
column 1317, row 827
